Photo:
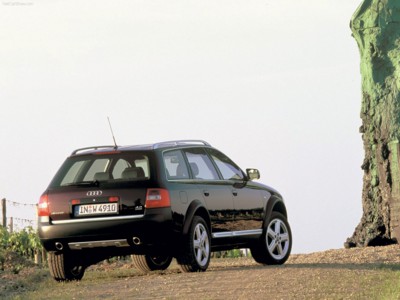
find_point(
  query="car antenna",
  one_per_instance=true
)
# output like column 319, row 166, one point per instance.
column 112, row 133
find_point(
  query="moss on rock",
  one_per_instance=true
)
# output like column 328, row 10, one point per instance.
column 376, row 28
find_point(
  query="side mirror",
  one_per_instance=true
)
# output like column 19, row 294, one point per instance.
column 253, row 174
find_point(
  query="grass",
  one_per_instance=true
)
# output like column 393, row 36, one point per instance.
column 23, row 284
column 362, row 282
column 63, row 290
column 388, row 286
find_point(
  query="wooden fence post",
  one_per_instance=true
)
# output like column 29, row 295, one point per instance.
column 4, row 212
column 11, row 230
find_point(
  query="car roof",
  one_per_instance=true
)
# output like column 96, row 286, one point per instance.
column 159, row 145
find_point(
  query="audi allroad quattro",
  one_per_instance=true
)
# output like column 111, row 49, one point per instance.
column 176, row 199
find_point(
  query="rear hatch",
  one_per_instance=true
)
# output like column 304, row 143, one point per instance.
column 99, row 185
column 73, row 203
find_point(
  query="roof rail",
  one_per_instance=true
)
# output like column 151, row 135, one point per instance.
column 180, row 142
column 91, row 148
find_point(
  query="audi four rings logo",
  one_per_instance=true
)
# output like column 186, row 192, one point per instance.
column 94, row 193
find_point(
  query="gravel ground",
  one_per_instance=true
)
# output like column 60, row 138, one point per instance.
column 333, row 274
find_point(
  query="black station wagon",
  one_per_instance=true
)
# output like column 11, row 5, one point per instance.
column 176, row 199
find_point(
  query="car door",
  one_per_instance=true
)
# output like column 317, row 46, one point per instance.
column 248, row 200
column 217, row 195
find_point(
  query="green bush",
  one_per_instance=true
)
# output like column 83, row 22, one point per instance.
column 25, row 242
column 4, row 237
column 2, row 259
column 235, row 253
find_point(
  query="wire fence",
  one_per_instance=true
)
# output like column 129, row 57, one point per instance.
column 16, row 216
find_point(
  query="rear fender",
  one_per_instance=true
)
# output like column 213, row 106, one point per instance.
column 196, row 208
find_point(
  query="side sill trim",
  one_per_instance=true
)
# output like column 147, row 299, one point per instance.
column 236, row 233
column 87, row 220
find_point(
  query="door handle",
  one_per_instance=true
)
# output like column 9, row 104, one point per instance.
column 206, row 193
column 234, row 192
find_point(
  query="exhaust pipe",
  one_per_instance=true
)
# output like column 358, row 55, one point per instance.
column 59, row 246
column 136, row 240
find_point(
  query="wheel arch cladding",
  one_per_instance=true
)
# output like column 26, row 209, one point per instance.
column 280, row 207
column 275, row 204
column 196, row 208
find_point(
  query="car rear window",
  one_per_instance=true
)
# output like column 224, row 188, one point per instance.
column 88, row 169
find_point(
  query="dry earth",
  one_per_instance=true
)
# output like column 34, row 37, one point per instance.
column 333, row 274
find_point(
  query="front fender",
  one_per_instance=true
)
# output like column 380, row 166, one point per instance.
column 274, row 204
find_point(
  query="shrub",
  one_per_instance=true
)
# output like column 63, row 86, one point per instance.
column 25, row 242
column 4, row 237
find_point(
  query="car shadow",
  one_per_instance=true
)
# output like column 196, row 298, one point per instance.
column 335, row 266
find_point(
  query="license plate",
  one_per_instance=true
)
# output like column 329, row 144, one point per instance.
column 96, row 209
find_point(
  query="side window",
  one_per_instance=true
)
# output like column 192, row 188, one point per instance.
column 200, row 164
column 175, row 165
column 228, row 168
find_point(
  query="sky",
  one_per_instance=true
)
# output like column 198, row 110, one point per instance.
column 273, row 84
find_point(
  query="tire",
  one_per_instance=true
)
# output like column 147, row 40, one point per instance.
column 147, row 263
column 276, row 242
column 64, row 268
column 197, row 247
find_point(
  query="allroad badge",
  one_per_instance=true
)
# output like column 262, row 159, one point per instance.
column 94, row 193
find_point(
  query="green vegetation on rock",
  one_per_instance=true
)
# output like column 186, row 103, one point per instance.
column 376, row 28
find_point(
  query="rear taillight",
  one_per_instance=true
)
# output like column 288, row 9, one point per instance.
column 157, row 198
column 43, row 206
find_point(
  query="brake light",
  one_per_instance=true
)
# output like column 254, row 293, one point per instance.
column 156, row 198
column 107, row 152
column 113, row 199
column 43, row 206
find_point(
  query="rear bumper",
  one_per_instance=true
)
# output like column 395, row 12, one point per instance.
column 135, row 233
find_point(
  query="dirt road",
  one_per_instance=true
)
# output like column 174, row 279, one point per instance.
column 333, row 274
